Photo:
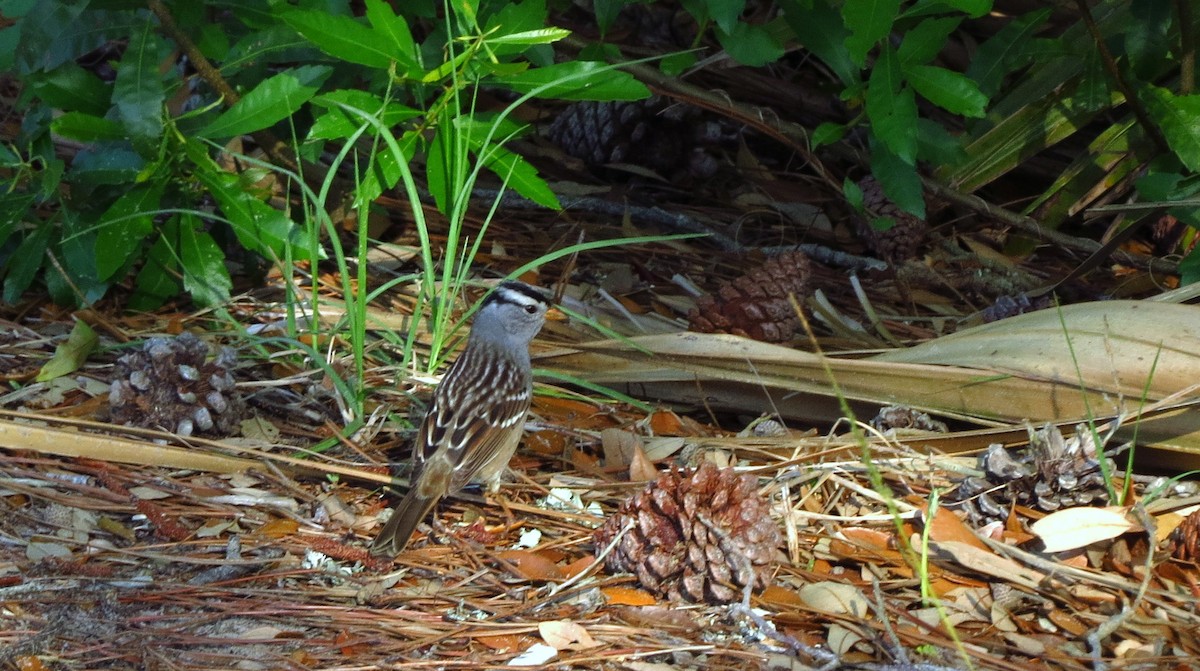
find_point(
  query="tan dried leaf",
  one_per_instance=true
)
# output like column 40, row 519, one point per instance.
column 1076, row 527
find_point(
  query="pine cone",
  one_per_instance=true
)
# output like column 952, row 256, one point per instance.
column 1184, row 541
column 898, row 243
column 653, row 133
column 756, row 304
column 1051, row 474
column 699, row 535
column 169, row 385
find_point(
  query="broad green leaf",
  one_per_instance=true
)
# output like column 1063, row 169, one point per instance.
column 395, row 30
column 899, row 180
column 972, row 8
column 1189, row 267
column 869, row 22
column 205, row 276
column 445, row 166
column 520, row 176
column 1005, row 50
column 124, row 226
column 605, row 13
column 158, row 279
column 258, row 226
column 949, row 90
column 531, row 37
column 345, row 38
column 13, row 207
column 827, row 133
column 926, row 40
column 1144, row 36
column 820, row 30
column 71, row 354
column 726, row 13
column 516, row 17
column 853, row 193
column 269, row 103
column 86, row 127
column 750, row 45
column 891, row 107
column 70, row 87
column 577, row 80
column 138, row 93
column 338, row 123
column 1179, row 119
column 22, row 267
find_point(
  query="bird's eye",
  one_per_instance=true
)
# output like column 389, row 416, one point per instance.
column 531, row 309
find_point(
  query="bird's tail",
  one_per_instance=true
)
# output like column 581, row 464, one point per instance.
column 403, row 522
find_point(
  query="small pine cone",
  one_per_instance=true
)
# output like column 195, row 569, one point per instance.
column 756, row 305
column 650, row 133
column 168, row 384
column 1053, row 473
column 700, row 535
column 898, row 243
column 1185, row 540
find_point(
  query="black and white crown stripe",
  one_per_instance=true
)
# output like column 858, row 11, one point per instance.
column 518, row 294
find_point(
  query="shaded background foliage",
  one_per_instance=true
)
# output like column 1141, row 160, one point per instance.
column 158, row 145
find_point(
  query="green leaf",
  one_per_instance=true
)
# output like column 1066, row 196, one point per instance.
column 1006, row 50
column 726, row 13
column 899, row 179
column 70, row 355
column 926, row 40
column 337, row 123
column 86, row 127
column 949, row 90
column 395, row 30
column 750, row 45
column 205, row 276
column 22, row 267
column 827, row 133
column 605, row 13
column 892, row 107
column 820, row 30
column 138, row 93
column 345, row 38
column 520, row 176
column 124, row 226
column 268, row 103
column 258, row 226
column 577, row 80
column 869, row 22
column 445, row 166
column 1179, row 119
column 1144, row 36
column 972, row 8
column 70, row 87
column 531, row 37
column 853, row 194
column 158, row 279
column 1189, row 267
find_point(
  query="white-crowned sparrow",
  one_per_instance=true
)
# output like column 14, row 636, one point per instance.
column 474, row 423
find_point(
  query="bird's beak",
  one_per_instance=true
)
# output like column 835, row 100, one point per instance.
column 556, row 315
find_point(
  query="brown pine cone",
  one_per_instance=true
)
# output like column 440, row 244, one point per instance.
column 169, row 384
column 898, row 243
column 756, row 305
column 655, row 133
column 700, row 535
column 1184, row 541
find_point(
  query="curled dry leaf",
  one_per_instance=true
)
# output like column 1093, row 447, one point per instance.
column 627, row 596
column 531, row 565
column 564, row 635
column 1076, row 527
